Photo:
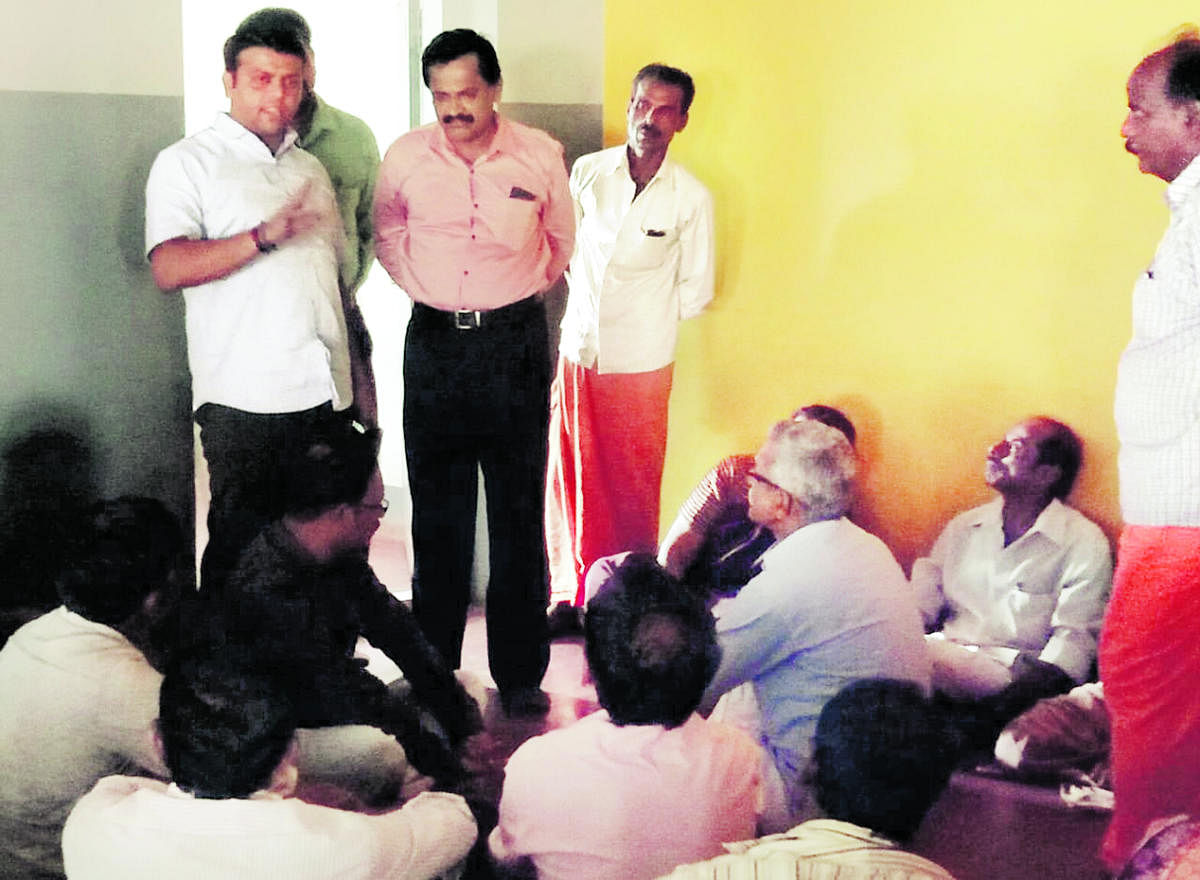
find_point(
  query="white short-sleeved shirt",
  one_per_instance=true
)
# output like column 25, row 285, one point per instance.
column 271, row 336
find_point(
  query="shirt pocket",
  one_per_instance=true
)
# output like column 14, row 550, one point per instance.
column 647, row 245
column 516, row 223
column 1031, row 607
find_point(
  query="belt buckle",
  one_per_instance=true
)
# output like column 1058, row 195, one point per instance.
column 466, row 319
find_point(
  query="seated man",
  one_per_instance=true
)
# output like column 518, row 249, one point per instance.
column 712, row 546
column 1017, row 586
column 713, row 543
column 634, row 789
column 829, row 607
column 78, row 694
column 227, row 738
column 302, row 593
column 880, row 763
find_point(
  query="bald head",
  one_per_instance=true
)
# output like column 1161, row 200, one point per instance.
column 1163, row 125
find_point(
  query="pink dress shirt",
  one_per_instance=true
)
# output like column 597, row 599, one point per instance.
column 481, row 235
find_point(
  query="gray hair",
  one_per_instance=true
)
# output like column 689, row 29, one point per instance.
column 813, row 463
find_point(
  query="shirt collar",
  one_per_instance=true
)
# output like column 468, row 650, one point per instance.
column 620, row 163
column 503, row 142
column 322, row 120
column 1185, row 185
column 1051, row 522
column 234, row 130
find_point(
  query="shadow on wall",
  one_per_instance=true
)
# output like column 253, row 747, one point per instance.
column 47, row 481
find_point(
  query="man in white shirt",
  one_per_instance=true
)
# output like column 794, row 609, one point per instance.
column 829, row 607
column 246, row 225
column 227, row 736
column 1016, row 588
column 643, row 261
column 633, row 790
column 78, row 694
column 1149, row 656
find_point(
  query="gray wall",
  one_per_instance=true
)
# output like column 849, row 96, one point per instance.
column 90, row 352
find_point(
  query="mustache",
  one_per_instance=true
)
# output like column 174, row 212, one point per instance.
column 650, row 129
column 461, row 117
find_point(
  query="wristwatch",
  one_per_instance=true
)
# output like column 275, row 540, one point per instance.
column 264, row 247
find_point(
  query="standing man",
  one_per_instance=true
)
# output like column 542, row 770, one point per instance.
column 1149, row 655
column 346, row 147
column 246, row 225
column 642, row 263
column 473, row 220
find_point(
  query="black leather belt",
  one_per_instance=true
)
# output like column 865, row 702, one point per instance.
column 478, row 319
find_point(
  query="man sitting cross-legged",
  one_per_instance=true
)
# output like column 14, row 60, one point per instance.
column 1016, row 589
column 303, row 593
column 227, row 736
column 78, row 691
column 830, row 606
column 882, row 757
column 631, row 791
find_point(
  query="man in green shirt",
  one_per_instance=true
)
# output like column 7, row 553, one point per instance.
column 345, row 145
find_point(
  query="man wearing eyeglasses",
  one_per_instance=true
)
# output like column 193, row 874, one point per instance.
column 303, row 593
column 830, row 606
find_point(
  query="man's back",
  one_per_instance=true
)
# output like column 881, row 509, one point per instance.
column 77, row 702
column 831, row 606
column 598, row 801
column 140, row 828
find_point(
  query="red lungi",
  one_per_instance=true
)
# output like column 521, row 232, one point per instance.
column 608, row 440
column 1150, row 668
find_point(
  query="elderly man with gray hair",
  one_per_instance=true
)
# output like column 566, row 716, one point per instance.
column 830, row 606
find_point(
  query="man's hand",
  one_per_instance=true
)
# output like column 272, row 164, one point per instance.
column 292, row 220
column 185, row 262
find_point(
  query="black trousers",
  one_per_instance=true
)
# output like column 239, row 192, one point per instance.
column 476, row 396
column 246, row 453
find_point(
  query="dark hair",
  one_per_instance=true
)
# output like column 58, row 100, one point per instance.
column 224, row 726
column 1063, row 449
column 1183, row 70
column 283, row 30
column 883, row 756
column 334, row 468
column 448, row 45
column 126, row 551
column 651, row 645
column 828, row 415
column 671, row 76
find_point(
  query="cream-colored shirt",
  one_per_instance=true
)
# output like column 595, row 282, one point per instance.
column 1045, row 592
column 141, row 829
column 640, row 266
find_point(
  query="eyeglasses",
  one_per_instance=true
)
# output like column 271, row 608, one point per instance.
column 755, row 475
column 380, row 508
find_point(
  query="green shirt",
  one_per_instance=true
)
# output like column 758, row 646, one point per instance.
column 347, row 148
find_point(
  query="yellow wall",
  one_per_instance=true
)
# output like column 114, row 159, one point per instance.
column 925, row 217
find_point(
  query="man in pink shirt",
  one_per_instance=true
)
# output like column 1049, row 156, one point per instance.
column 473, row 219
column 646, row 784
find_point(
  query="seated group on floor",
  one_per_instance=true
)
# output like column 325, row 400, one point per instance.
column 805, row 690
